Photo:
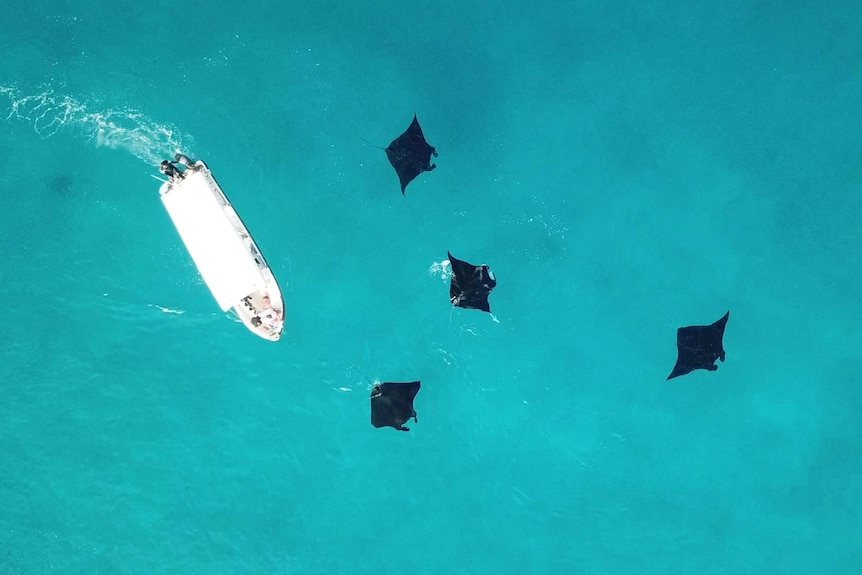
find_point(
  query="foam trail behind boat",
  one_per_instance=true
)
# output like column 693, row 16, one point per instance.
column 125, row 128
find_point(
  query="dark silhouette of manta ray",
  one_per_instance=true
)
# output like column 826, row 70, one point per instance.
column 471, row 285
column 392, row 404
column 698, row 347
column 410, row 154
column 60, row 184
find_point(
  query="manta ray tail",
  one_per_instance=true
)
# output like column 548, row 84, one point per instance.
column 667, row 318
column 370, row 144
column 360, row 373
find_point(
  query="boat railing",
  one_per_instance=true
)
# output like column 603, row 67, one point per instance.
column 234, row 218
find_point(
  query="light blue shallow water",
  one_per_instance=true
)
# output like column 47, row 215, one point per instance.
column 609, row 163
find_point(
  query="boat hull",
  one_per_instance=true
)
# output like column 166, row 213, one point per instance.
column 222, row 248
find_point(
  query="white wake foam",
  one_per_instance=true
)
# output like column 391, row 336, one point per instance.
column 441, row 269
column 126, row 129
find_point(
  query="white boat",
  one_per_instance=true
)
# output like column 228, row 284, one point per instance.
column 221, row 246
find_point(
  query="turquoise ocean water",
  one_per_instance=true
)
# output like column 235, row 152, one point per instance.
column 610, row 161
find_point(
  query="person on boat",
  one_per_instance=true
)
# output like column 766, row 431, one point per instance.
column 169, row 169
column 269, row 313
column 267, row 305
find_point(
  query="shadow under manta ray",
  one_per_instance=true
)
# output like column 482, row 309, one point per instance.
column 410, row 154
column 392, row 404
column 699, row 346
column 60, row 184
